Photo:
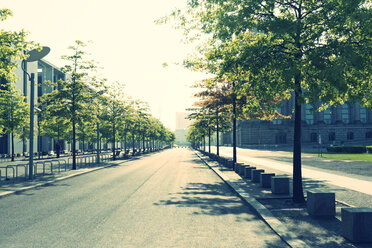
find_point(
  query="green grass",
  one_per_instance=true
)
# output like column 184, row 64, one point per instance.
column 365, row 157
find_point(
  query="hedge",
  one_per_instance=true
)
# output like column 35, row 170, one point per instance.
column 349, row 149
column 369, row 149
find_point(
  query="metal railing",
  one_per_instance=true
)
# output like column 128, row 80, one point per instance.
column 12, row 170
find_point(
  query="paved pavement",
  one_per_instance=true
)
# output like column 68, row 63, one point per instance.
column 290, row 220
column 342, row 177
column 168, row 199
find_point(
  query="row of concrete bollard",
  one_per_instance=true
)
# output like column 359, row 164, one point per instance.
column 278, row 184
column 356, row 222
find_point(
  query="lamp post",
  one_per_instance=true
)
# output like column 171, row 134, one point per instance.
column 34, row 55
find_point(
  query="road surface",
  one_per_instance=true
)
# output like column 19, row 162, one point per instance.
column 168, row 199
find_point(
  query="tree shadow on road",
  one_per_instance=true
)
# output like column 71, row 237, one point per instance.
column 210, row 199
column 216, row 199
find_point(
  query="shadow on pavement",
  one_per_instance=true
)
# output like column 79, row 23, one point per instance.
column 216, row 199
column 325, row 231
column 210, row 199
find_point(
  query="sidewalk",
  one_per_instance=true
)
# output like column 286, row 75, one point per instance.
column 352, row 181
column 20, row 185
column 289, row 220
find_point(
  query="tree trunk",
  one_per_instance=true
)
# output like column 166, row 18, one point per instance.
column 98, row 142
column 73, row 144
column 204, row 143
column 234, row 125
column 113, row 142
column 218, row 138
column 133, row 151
column 209, row 139
column 12, row 137
column 143, row 143
column 298, row 195
column 125, row 141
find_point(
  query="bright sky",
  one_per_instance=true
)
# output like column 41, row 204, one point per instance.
column 126, row 42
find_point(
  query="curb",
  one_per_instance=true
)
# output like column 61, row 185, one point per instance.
column 11, row 192
column 278, row 227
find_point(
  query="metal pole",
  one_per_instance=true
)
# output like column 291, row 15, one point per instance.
column 32, row 103
column 98, row 145
column 234, row 124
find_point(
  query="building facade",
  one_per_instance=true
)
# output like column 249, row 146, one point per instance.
column 182, row 125
column 347, row 124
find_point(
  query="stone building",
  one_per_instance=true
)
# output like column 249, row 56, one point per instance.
column 349, row 124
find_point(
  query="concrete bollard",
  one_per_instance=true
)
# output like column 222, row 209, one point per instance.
column 357, row 224
column 255, row 175
column 321, row 203
column 238, row 167
column 248, row 172
column 229, row 164
column 280, row 185
column 265, row 179
column 242, row 170
column 222, row 160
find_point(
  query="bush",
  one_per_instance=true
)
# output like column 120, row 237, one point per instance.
column 348, row 149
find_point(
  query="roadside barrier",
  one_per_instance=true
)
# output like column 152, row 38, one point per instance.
column 25, row 166
column 12, row 171
column 35, row 167
column 51, row 166
column 59, row 164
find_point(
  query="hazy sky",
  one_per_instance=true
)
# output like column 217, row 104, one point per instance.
column 126, row 42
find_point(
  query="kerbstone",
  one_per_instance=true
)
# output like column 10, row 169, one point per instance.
column 357, row 224
column 256, row 175
column 265, row 179
column 280, row 185
column 248, row 171
column 321, row 203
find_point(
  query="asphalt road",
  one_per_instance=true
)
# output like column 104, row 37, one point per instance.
column 168, row 199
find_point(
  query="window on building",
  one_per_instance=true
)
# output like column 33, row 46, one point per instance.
column 281, row 138
column 327, row 116
column 331, row 136
column 309, row 114
column 313, row 137
column 363, row 114
column 279, row 120
column 345, row 114
column 350, row 135
column 369, row 135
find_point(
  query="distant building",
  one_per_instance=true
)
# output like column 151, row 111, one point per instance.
column 349, row 124
column 182, row 125
column 181, row 121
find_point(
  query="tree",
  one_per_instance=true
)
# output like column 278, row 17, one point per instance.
column 14, row 113
column 113, row 112
column 215, row 98
column 12, row 47
column 319, row 50
column 71, row 97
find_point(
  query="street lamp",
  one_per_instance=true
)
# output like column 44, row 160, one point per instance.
column 34, row 55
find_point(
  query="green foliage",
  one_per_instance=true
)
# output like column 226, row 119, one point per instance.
column 369, row 149
column 14, row 112
column 12, row 47
column 319, row 50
